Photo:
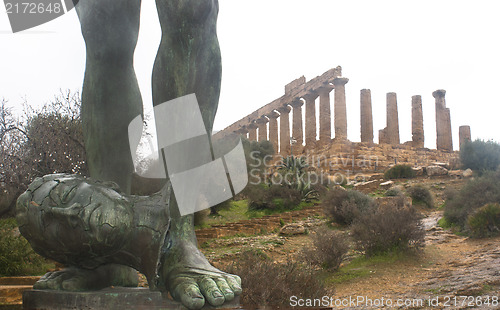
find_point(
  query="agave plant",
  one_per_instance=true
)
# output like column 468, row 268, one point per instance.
column 294, row 174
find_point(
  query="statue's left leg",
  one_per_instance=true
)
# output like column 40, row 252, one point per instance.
column 189, row 61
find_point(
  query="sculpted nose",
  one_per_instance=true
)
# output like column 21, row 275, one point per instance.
column 22, row 206
column 24, row 199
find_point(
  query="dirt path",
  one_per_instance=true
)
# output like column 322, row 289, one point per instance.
column 450, row 267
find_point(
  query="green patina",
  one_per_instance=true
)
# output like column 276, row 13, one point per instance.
column 97, row 230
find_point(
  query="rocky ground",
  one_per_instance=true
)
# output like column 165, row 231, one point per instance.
column 450, row 267
column 452, row 272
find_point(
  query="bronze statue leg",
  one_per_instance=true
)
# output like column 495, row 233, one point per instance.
column 110, row 97
column 110, row 100
column 189, row 61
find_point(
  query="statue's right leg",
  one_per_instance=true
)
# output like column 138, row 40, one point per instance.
column 110, row 97
column 110, row 100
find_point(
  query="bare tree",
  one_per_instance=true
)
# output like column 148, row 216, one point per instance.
column 46, row 140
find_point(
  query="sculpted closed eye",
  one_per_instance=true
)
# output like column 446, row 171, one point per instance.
column 68, row 194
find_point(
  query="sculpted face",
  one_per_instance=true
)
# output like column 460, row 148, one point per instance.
column 64, row 191
column 68, row 211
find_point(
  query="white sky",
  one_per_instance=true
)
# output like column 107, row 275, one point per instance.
column 407, row 47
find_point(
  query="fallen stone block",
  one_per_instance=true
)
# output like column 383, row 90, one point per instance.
column 436, row 171
column 293, row 229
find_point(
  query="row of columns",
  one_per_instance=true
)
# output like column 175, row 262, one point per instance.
column 259, row 130
column 444, row 141
column 388, row 135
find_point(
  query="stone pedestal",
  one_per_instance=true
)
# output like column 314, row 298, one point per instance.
column 392, row 132
column 325, row 119
column 417, row 122
column 443, row 122
column 366, row 116
column 110, row 298
column 464, row 135
column 284, row 130
column 340, row 110
column 310, row 119
column 297, row 129
column 262, row 125
column 121, row 298
column 273, row 130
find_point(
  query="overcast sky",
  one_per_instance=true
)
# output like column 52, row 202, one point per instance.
column 407, row 47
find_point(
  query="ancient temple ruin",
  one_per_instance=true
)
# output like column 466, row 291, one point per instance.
column 300, row 94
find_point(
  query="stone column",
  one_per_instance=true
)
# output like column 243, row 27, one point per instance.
column 366, row 116
column 310, row 119
column 284, row 130
column 340, row 109
column 325, row 119
column 417, row 122
column 273, row 130
column 297, row 130
column 243, row 131
column 392, row 119
column 443, row 122
column 448, row 132
column 252, row 132
column 464, row 135
column 262, row 125
column 382, row 136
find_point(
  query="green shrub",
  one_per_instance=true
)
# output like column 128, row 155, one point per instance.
column 258, row 156
column 399, row 172
column 485, row 221
column 17, row 258
column 266, row 283
column 328, row 248
column 343, row 206
column 225, row 205
column 393, row 192
column 475, row 194
column 392, row 227
column 480, row 155
column 274, row 197
column 422, row 195
column 200, row 217
column 320, row 190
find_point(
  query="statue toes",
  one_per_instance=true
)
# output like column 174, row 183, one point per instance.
column 186, row 290
column 224, row 288
column 234, row 282
column 211, row 291
column 41, row 284
column 76, row 283
column 54, row 281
